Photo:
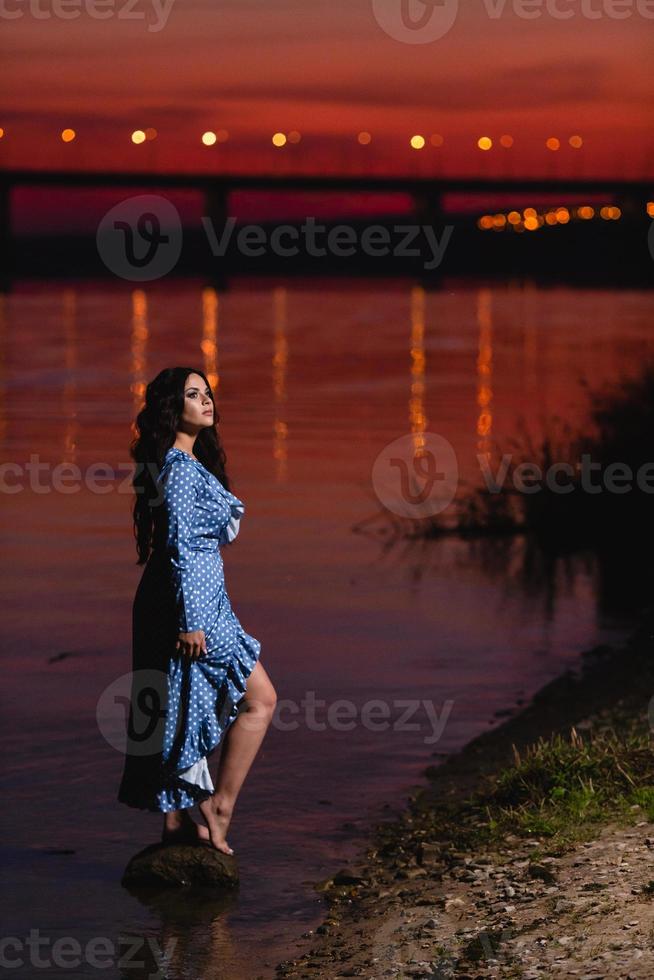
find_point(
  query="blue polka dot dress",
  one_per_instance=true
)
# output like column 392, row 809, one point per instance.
column 180, row 708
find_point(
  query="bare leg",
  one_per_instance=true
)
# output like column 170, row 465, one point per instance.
column 240, row 746
column 180, row 828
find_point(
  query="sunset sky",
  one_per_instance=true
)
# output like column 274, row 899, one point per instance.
column 330, row 69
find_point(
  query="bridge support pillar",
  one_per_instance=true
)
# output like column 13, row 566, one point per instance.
column 215, row 214
column 428, row 207
column 6, row 242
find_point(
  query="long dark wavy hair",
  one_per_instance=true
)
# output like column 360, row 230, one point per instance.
column 156, row 428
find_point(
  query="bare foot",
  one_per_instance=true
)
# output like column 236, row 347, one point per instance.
column 188, row 832
column 217, row 817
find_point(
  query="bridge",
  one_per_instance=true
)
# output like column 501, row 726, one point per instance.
column 427, row 192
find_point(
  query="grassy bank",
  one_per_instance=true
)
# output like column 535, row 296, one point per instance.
column 521, row 802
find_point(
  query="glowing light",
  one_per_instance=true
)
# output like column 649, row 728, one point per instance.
column 650, row 207
column 279, row 139
column 138, row 136
column 150, row 133
column 514, row 217
column 562, row 216
column 552, row 143
column 222, row 136
column 484, row 142
column 531, row 223
column 364, row 138
column 417, row 142
column 550, row 218
column 499, row 221
column 2, row 132
column 586, row 212
column 294, row 136
column 436, row 139
column 68, row 135
column 609, row 212
column 485, row 222
column 506, row 141
column 576, row 142
column 530, row 212
column 209, row 138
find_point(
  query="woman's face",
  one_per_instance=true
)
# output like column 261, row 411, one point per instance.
column 198, row 403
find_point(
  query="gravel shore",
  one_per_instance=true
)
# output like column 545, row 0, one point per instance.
column 428, row 901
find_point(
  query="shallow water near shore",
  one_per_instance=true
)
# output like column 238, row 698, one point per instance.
column 312, row 381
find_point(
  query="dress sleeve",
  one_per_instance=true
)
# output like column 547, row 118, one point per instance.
column 180, row 495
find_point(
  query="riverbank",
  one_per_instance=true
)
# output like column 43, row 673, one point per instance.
column 530, row 853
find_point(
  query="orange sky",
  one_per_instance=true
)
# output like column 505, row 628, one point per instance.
column 328, row 69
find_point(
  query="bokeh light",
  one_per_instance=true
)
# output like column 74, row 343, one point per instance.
column 506, row 141
column 279, row 139
column 294, row 136
column 552, row 143
column 436, row 139
column 209, row 138
column 484, row 142
column 417, row 142
column 576, row 142
column 364, row 138
column 138, row 136
column 68, row 135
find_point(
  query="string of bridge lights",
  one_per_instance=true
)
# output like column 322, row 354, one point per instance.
column 364, row 138
column 529, row 220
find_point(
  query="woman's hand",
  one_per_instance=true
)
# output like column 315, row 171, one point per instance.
column 192, row 645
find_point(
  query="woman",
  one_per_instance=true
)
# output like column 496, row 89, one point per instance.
column 196, row 675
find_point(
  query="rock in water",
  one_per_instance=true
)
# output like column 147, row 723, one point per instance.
column 181, row 864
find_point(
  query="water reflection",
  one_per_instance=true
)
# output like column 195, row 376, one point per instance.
column 69, row 390
column 139, row 348
column 279, row 375
column 210, row 337
column 193, row 937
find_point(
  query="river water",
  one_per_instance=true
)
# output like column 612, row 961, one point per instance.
column 313, row 380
